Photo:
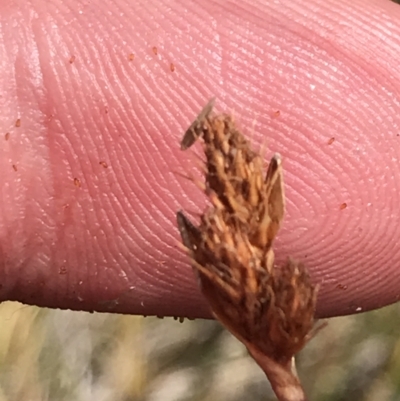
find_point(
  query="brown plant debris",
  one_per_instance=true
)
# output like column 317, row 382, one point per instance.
column 270, row 309
column 77, row 182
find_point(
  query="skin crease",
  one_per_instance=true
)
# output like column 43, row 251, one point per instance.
column 90, row 182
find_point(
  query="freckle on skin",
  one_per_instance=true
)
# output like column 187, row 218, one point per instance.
column 103, row 163
column 72, row 59
column 276, row 114
column 77, row 182
column 7, row 136
column 172, row 67
column 155, row 50
column 131, row 57
column 343, row 206
column 15, row 167
column 18, row 123
column 331, row 140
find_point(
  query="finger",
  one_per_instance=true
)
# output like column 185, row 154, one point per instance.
column 103, row 96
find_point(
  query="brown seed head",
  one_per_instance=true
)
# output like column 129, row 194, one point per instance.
column 269, row 309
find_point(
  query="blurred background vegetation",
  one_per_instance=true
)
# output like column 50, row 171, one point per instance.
column 73, row 356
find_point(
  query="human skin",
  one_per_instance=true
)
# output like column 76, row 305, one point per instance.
column 92, row 177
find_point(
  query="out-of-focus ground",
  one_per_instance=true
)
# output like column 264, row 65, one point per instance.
column 73, row 356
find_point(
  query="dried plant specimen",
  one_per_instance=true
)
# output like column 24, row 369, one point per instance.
column 269, row 308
